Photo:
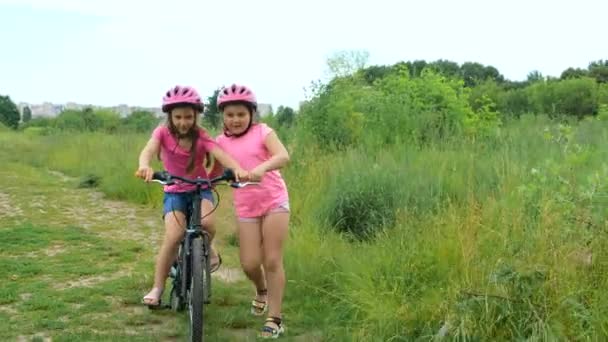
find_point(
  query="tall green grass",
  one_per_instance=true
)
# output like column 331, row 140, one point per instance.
column 491, row 239
column 111, row 158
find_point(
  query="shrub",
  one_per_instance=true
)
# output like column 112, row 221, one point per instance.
column 360, row 202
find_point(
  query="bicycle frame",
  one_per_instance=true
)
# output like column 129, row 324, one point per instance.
column 194, row 229
column 192, row 281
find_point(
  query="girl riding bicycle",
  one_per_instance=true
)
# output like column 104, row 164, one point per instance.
column 262, row 211
column 181, row 146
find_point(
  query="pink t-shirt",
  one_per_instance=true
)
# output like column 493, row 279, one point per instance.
column 250, row 151
column 175, row 158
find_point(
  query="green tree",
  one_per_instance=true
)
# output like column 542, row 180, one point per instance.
column 375, row 72
column 87, row 120
column 445, row 67
column 514, row 102
column 41, row 121
column 212, row 113
column 285, row 116
column 576, row 97
column 602, row 93
column 573, row 73
column 541, row 97
column 92, row 121
column 140, row 121
column 331, row 118
column 345, row 63
column 9, row 114
column 535, row 76
column 108, row 120
column 71, row 120
column 27, row 114
column 492, row 73
column 599, row 71
column 474, row 73
column 484, row 91
column 416, row 67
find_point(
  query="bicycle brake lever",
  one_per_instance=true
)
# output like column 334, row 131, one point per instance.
column 163, row 182
column 243, row 184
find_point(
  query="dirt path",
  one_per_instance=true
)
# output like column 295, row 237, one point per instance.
column 105, row 291
column 50, row 199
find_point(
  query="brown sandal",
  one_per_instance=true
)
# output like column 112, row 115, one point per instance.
column 268, row 331
column 258, row 307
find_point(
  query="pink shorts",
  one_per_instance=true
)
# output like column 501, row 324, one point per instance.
column 281, row 208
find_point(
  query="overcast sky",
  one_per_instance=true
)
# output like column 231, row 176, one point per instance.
column 109, row 52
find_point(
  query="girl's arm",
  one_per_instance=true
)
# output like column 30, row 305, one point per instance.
column 216, row 170
column 280, row 157
column 151, row 149
column 227, row 161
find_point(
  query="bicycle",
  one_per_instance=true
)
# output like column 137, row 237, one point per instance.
column 191, row 285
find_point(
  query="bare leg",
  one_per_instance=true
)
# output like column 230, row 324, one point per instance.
column 174, row 233
column 275, row 231
column 208, row 224
column 250, row 251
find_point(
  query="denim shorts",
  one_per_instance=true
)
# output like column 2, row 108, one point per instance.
column 182, row 201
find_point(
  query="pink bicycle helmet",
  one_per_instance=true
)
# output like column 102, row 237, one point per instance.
column 236, row 93
column 180, row 95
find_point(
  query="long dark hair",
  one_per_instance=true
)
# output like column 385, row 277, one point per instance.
column 192, row 134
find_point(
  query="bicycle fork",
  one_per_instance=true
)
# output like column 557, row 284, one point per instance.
column 179, row 270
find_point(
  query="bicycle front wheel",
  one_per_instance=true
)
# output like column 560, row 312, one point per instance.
column 197, row 290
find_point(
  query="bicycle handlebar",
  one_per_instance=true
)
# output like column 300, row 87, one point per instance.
column 165, row 178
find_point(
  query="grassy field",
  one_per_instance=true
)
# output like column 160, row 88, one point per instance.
column 501, row 239
column 76, row 264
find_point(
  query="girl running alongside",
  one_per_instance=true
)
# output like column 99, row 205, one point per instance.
column 262, row 210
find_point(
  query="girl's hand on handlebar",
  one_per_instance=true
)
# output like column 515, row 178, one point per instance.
column 145, row 173
column 241, row 175
column 256, row 174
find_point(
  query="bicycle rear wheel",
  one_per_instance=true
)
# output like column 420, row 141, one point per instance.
column 178, row 293
column 197, row 290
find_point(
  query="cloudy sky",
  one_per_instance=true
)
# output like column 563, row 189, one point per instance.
column 109, row 52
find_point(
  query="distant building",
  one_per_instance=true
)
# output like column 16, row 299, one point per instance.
column 48, row 109
column 21, row 106
column 74, row 106
column 122, row 110
column 264, row 109
column 156, row 110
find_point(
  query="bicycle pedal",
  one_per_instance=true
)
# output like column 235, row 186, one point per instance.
column 158, row 307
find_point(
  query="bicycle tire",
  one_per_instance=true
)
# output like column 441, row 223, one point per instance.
column 206, row 270
column 197, row 291
column 179, row 294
